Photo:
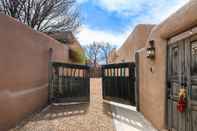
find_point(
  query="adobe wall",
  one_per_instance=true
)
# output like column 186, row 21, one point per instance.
column 153, row 83
column 135, row 41
column 24, row 56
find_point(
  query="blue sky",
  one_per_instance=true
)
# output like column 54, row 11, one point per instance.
column 113, row 20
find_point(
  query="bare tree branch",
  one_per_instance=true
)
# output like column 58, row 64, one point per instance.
column 44, row 15
column 92, row 52
column 106, row 48
column 98, row 52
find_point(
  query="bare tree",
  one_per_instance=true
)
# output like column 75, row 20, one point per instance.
column 106, row 48
column 44, row 15
column 92, row 52
column 98, row 52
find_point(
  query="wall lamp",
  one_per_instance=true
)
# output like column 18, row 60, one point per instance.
column 150, row 51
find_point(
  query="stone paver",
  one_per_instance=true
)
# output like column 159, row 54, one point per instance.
column 95, row 116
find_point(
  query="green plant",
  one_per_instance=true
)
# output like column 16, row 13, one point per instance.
column 78, row 56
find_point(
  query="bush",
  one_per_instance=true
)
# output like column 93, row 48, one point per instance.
column 77, row 56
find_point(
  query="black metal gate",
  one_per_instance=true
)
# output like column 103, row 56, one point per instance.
column 69, row 83
column 118, row 82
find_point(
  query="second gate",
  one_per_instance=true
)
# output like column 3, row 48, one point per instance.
column 118, row 83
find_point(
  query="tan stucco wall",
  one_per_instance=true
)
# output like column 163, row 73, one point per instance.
column 153, row 84
column 73, row 44
column 24, row 56
column 135, row 41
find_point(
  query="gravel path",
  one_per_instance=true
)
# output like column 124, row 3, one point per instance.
column 95, row 116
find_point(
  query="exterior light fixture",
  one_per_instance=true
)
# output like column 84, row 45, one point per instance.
column 150, row 51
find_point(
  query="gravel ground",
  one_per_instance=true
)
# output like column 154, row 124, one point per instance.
column 95, row 116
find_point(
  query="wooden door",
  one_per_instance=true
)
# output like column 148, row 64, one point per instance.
column 182, row 73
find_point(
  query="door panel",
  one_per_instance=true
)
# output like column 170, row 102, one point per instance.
column 194, row 59
column 176, row 74
column 193, row 84
column 194, row 93
column 175, row 88
column 194, row 120
column 182, row 121
column 175, row 60
column 174, row 116
column 169, row 113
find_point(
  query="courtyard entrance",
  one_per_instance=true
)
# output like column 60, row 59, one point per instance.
column 77, row 104
column 70, row 83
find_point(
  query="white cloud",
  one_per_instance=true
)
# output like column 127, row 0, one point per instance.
column 88, row 35
column 162, row 9
column 134, row 7
column 158, row 10
column 123, row 7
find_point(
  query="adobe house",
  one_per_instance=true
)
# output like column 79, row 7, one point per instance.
column 135, row 41
column 76, row 52
column 171, row 67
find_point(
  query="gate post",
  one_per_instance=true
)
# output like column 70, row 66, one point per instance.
column 50, row 75
column 102, row 75
column 137, row 81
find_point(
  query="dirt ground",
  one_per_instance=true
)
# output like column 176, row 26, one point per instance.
column 95, row 116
